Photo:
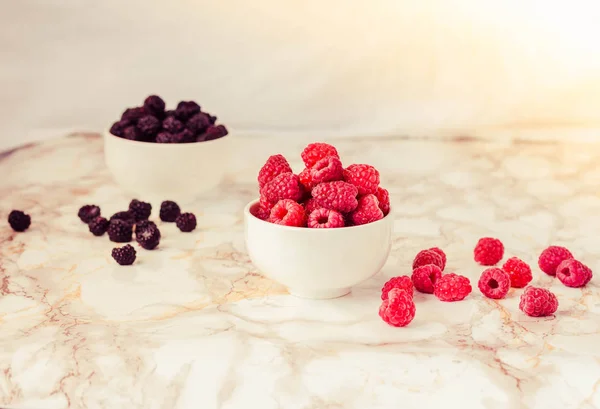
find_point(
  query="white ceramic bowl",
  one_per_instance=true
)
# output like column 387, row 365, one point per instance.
column 317, row 263
column 157, row 171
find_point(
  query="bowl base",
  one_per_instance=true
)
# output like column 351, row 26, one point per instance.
column 320, row 294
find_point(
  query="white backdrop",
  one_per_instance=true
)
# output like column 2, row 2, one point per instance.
column 311, row 68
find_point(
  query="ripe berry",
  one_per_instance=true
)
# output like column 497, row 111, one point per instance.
column 133, row 114
column 538, row 302
column 429, row 256
column 317, row 151
column 288, row 213
column 398, row 309
column 338, row 195
column 144, row 224
column 186, row 222
column 148, row 126
column 147, row 236
column 425, row 277
column 367, row 211
column 167, row 137
column 140, row 210
column 327, row 169
column 442, row 255
column 494, row 283
column 213, row 132
column 132, row 133
column 552, row 257
column 19, row 221
column 198, row 123
column 325, row 219
column 118, row 128
column 186, row 110
column 573, row 273
column 283, row 186
column 125, row 255
column 275, row 166
column 185, row 136
column 98, row 226
column 488, row 251
column 120, row 231
column 364, row 177
column 169, row 211
column 172, row 125
column 306, row 180
column 154, row 105
column 383, row 197
column 125, row 216
column 401, row 282
column 452, row 287
column 519, row 272
column 310, row 205
column 88, row 213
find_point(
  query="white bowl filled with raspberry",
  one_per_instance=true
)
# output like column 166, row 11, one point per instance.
column 322, row 231
column 155, row 153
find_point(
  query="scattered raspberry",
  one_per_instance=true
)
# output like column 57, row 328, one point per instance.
column 310, row 205
column 124, row 216
column 538, row 302
column 118, row 128
column 364, row 177
column 133, row 114
column 398, row 309
column 172, row 125
column 288, row 213
column 132, row 133
column 338, row 195
column 430, row 256
column 125, row 255
column 383, row 196
column 120, row 231
column 169, row 211
column 552, row 257
column 442, row 255
column 494, row 283
column 573, row 273
column 154, row 105
column 186, row 110
column 167, row 137
column 186, row 222
column 19, row 221
column 328, row 169
column 367, row 211
column 88, row 213
column 198, row 123
column 275, row 166
column 147, row 236
column 425, row 277
column 325, row 219
column 519, row 272
column 98, row 226
column 401, row 282
column 213, row 132
column 283, row 186
column 140, row 210
column 452, row 287
column 488, row 251
column 317, row 151
column 148, row 126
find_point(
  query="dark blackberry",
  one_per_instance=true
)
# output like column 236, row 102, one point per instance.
column 186, row 109
column 132, row 133
column 118, row 128
column 213, row 119
column 88, row 213
column 144, row 224
column 172, row 125
column 148, row 127
column 140, row 210
column 154, row 105
column 120, row 231
column 213, row 132
column 198, row 123
column 18, row 220
column 169, row 211
column 125, row 255
column 98, row 226
column 134, row 114
column 186, row 136
column 148, row 237
column 125, row 216
column 186, row 222
column 170, row 112
column 167, row 137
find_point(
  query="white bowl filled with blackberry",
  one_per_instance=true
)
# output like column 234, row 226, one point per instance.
column 155, row 152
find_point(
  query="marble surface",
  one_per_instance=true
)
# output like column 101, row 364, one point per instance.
column 193, row 324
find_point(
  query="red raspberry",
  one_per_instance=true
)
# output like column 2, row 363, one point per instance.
column 538, row 302
column 325, row 219
column 338, row 195
column 328, row 169
column 488, row 251
column 452, row 287
column 383, row 196
column 288, row 213
column 425, row 277
column 494, row 283
column 310, row 205
column 442, row 255
column 367, row 211
column 264, row 208
column 276, row 165
column 552, row 257
column 398, row 309
column 364, row 177
column 283, row 186
column 519, row 272
column 429, row 256
column 401, row 282
column 306, row 179
column 573, row 273
column 314, row 152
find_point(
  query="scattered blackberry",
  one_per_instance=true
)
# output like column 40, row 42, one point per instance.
column 131, row 133
column 148, row 237
column 172, row 125
column 167, row 137
column 212, row 132
column 19, row 221
column 126, row 216
column 144, row 224
column 98, row 226
column 154, row 105
column 140, row 210
column 148, row 126
column 125, row 255
column 88, row 213
column 169, row 211
column 198, row 123
column 186, row 222
column 118, row 128
column 186, row 109
column 133, row 114
column 120, row 231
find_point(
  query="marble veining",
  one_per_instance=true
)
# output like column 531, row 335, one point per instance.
column 194, row 324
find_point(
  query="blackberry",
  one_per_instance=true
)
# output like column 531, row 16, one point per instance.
column 126, row 216
column 88, row 213
column 213, row 132
column 186, row 222
column 198, row 123
column 172, row 124
column 186, row 109
column 144, row 224
column 213, row 119
column 120, row 231
column 170, row 112
column 148, row 237
column 186, row 136
column 140, row 210
column 134, row 114
column 19, row 221
column 118, row 128
column 154, row 105
column 125, row 255
column 131, row 133
column 98, row 226
column 167, row 137
column 169, row 211
column 148, row 127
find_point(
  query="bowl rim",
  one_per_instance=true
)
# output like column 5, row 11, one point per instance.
column 108, row 134
column 248, row 214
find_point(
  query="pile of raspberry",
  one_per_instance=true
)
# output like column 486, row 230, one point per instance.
column 152, row 123
column 122, row 226
column 398, row 307
column 323, row 195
